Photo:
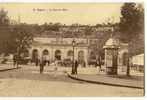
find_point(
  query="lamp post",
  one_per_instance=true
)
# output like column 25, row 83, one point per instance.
column 73, row 64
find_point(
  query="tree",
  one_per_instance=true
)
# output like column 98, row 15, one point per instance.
column 4, row 30
column 131, row 22
column 51, row 26
column 21, row 38
column 13, row 38
column 88, row 30
column 131, row 28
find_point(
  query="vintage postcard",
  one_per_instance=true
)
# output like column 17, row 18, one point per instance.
column 72, row 49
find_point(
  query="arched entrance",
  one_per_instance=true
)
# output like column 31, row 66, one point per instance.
column 125, row 58
column 92, row 58
column 45, row 56
column 70, row 54
column 58, row 54
column 81, row 58
column 45, row 52
column 92, row 55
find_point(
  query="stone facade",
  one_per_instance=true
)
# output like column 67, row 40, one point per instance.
column 62, row 49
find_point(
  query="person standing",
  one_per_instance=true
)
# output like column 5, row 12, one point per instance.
column 76, row 66
column 44, row 59
column 100, row 61
column 47, row 60
column 15, row 62
column 42, row 64
column 37, row 61
column 98, row 64
column 55, row 68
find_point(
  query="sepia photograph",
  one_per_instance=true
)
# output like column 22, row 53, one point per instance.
column 72, row 49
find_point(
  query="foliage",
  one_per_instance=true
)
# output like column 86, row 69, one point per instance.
column 131, row 26
column 88, row 30
column 4, row 30
column 21, row 38
column 51, row 26
column 13, row 38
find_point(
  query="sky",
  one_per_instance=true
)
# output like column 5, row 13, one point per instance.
column 65, row 13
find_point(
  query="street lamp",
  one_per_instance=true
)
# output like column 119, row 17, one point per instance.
column 73, row 64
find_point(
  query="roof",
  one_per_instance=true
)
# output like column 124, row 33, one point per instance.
column 36, row 43
column 111, row 43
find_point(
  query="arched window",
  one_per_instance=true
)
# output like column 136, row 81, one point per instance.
column 45, row 52
column 58, row 54
column 81, row 60
column 70, row 53
column 125, row 58
column 92, row 55
column 81, row 55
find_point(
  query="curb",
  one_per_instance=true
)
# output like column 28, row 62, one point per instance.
column 9, row 69
column 103, row 83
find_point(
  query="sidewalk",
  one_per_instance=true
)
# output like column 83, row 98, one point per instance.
column 90, row 75
column 133, row 81
column 6, row 67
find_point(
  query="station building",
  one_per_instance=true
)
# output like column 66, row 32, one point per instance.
column 62, row 49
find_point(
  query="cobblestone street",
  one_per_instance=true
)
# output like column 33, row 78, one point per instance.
column 27, row 81
column 15, row 87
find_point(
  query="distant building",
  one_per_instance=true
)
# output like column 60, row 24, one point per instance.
column 61, row 49
column 58, row 44
column 138, row 59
